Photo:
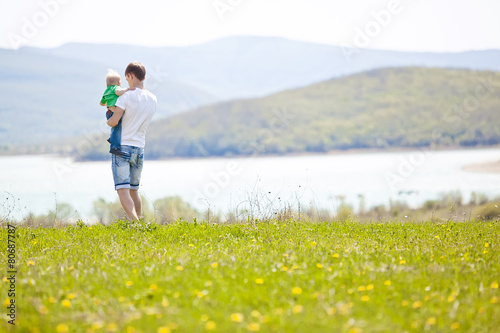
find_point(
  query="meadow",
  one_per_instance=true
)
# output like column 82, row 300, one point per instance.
column 267, row 276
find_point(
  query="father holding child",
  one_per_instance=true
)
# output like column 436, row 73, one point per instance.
column 135, row 108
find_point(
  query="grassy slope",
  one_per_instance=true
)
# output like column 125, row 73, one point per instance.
column 376, row 109
column 271, row 276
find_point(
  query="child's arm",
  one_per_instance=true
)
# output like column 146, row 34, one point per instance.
column 102, row 104
column 122, row 91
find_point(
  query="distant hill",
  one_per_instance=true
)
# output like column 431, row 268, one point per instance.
column 406, row 107
column 45, row 97
column 52, row 94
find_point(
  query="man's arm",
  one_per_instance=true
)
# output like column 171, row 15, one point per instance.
column 122, row 91
column 115, row 118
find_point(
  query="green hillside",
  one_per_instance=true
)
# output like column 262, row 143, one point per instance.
column 407, row 107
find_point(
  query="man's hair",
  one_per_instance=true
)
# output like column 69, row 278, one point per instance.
column 137, row 69
column 112, row 78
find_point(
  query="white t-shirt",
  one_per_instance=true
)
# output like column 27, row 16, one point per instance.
column 140, row 107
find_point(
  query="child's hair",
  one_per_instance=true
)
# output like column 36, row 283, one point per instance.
column 112, row 78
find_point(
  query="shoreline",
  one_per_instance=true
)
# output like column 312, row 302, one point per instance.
column 483, row 167
column 490, row 167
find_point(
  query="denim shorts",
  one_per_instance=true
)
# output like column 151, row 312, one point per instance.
column 127, row 168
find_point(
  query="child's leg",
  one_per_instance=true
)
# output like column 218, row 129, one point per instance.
column 116, row 135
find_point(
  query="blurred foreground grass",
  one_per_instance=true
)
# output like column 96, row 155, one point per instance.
column 267, row 276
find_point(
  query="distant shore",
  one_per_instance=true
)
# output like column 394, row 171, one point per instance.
column 491, row 167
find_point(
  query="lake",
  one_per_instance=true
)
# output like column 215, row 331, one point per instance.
column 36, row 183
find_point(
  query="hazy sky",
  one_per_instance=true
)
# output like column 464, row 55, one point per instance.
column 413, row 25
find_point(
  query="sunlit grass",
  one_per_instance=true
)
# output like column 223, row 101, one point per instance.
column 266, row 276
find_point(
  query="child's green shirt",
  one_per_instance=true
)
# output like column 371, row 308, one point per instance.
column 109, row 97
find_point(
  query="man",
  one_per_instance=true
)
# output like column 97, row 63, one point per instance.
column 136, row 109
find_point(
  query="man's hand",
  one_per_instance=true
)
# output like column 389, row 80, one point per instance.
column 115, row 118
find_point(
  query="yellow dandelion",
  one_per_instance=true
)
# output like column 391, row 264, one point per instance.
column 297, row 308
column 319, row 265
column 314, row 243
column 387, row 282
column 405, row 303
column 179, row 268
column 335, row 255
column 71, row 268
column 486, row 245
column 214, row 265
column 296, row 291
column 5, row 279
column 331, row 311
column 402, row 262
column 66, row 303
column 112, row 327
column 354, row 330
column 451, row 298
column 165, row 303
column 190, row 245
column 259, row 281
column 253, row 327
column 494, row 300
column 121, row 299
column 365, row 298
column 97, row 325
column 210, row 325
column 494, row 285
column 431, row 321
column 71, row 296
column 62, row 328
column 129, row 283
column 153, row 287
column 204, row 318
column 485, row 251
column 284, row 268
column 295, row 267
column 437, row 237
column 130, row 329
column 285, row 254
column 455, row 326
column 237, row 317
column 417, row 304
column 163, row 329
column 361, row 288
column 6, row 302
column 43, row 310
column 90, row 228
column 255, row 313
column 369, row 287
column 31, row 263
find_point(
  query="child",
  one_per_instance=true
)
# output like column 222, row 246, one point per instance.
column 111, row 94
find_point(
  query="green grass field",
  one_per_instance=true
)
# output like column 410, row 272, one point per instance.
column 266, row 276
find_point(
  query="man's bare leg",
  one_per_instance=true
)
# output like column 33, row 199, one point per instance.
column 137, row 202
column 128, row 203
